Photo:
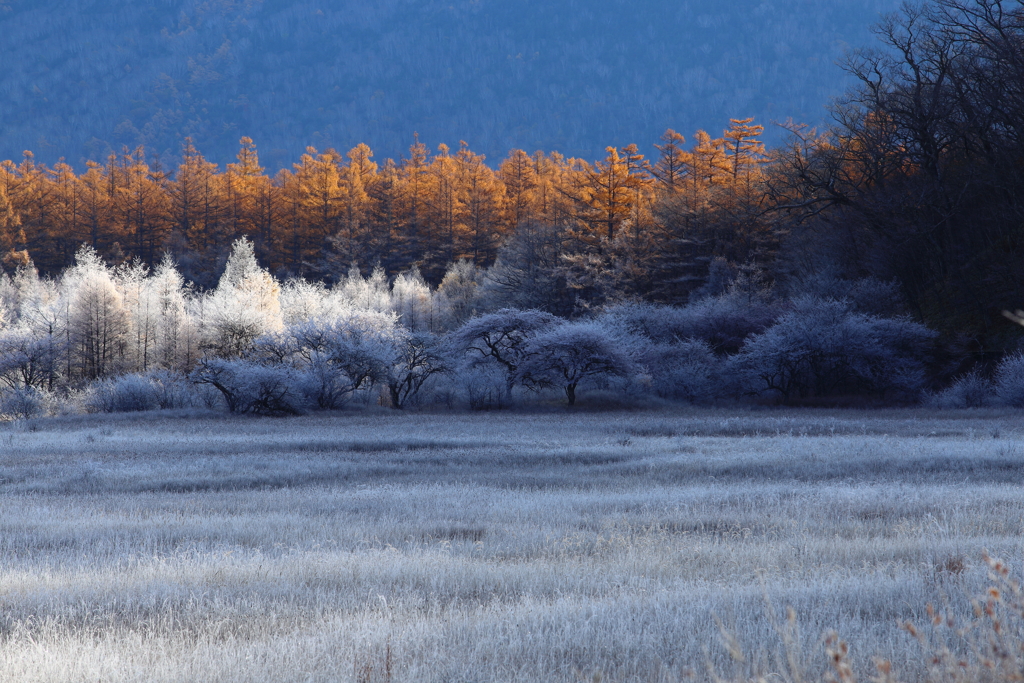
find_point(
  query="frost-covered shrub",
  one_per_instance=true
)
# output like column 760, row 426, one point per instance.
column 174, row 390
column 967, row 391
column 353, row 350
column 685, row 370
column 568, row 354
column 482, row 387
column 1009, row 380
column 23, row 402
column 155, row 390
column 722, row 322
column 867, row 295
column 324, row 385
column 823, row 348
column 249, row 387
column 27, row 359
column 124, row 394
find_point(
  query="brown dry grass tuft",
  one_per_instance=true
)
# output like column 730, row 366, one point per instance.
column 988, row 648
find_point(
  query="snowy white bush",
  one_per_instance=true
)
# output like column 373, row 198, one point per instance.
column 124, row 394
column 823, row 348
column 967, row 391
column 175, row 390
column 569, row 354
column 23, row 402
column 1009, row 380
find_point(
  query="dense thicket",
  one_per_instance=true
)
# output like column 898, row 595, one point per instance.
column 921, row 178
column 84, row 77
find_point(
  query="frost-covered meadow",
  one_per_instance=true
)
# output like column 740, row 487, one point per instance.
column 375, row 545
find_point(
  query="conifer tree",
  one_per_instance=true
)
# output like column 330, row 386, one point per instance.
column 519, row 178
column 481, row 201
column 243, row 182
column 141, row 204
column 384, row 219
column 64, row 232
column 670, row 169
column 95, row 203
column 351, row 241
column 245, row 304
column 97, row 322
column 11, row 233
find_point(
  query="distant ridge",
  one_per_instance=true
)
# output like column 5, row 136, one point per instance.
column 82, row 77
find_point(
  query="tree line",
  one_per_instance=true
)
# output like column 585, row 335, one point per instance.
column 917, row 182
column 624, row 217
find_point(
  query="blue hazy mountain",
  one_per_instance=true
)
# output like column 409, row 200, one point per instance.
column 82, row 77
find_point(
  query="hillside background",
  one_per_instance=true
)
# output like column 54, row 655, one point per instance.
column 83, row 77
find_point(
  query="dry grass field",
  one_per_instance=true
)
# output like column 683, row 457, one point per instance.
column 499, row 547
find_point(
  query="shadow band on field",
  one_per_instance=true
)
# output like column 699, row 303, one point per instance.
column 571, row 471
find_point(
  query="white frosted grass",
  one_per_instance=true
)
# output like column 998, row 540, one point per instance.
column 488, row 547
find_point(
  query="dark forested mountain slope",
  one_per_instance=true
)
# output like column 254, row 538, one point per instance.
column 81, row 77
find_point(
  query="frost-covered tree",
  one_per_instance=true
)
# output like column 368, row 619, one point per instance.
column 723, row 322
column 301, row 300
column 336, row 357
column 823, row 348
column 420, row 357
column 244, row 306
column 413, row 301
column 176, row 337
column 250, row 387
column 37, row 325
column 133, row 283
column 27, row 360
column 528, row 271
column 686, row 369
column 459, row 293
column 98, row 322
column 568, row 354
column 501, row 337
column 348, row 354
column 369, row 294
